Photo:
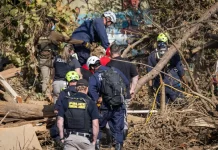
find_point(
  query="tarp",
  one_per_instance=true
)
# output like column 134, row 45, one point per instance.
column 22, row 137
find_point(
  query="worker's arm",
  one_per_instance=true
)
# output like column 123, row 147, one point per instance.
column 57, row 37
column 75, row 41
column 95, row 128
column 60, row 125
column 101, row 32
column 133, row 84
column 93, row 89
column 78, row 70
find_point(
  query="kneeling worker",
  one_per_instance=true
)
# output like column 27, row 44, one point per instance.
column 79, row 116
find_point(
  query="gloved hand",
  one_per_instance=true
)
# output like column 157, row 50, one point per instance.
column 87, row 45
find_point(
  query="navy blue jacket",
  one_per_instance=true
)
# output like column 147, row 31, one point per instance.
column 174, row 68
column 92, row 31
column 95, row 83
column 61, row 67
column 63, row 94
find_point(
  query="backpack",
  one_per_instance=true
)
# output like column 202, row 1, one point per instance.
column 113, row 88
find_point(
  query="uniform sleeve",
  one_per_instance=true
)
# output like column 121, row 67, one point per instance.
column 76, row 63
column 180, row 69
column 60, row 104
column 93, row 88
column 176, row 61
column 101, row 31
column 93, row 110
column 57, row 37
column 150, row 57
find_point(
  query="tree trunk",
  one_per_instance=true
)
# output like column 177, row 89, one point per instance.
column 173, row 49
column 26, row 111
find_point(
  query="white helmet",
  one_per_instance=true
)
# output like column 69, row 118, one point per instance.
column 92, row 60
column 111, row 15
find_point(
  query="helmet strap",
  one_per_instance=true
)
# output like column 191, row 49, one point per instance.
column 158, row 56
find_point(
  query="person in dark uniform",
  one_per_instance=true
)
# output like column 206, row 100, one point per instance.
column 174, row 68
column 92, row 31
column 78, row 115
column 62, row 64
column 72, row 77
column 114, row 116
column 46, row 47
column 128, row 69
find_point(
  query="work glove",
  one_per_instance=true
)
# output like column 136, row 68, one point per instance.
column 87, row 45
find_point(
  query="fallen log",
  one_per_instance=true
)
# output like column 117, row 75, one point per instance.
column 26, row 111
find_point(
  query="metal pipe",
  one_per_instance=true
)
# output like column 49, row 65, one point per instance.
column 141, row 111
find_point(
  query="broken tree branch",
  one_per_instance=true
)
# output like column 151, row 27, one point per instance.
column 206, row 45
column 183, row 58
column 4, row 117
column 173, row 49
column 191, row 91
column 133, row 45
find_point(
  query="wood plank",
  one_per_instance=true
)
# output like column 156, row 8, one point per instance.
column 9, row 89
column 200, row 122
column 10, row 72
column 135, row 119
column 23, row 137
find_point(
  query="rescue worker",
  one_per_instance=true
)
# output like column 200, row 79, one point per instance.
column 46, row 49
column 174, row 68
column 72, row 77
column 92, row 31
column 64, row 63
column 114, row 116
column 78, row 115
column 136, row 15
column 128, row 69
